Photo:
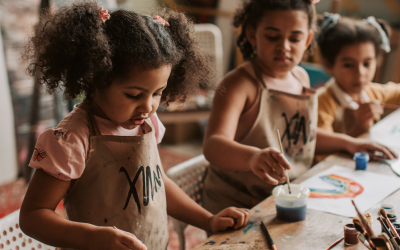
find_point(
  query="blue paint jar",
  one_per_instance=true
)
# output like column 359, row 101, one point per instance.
column 291, row 206
column 361, row 160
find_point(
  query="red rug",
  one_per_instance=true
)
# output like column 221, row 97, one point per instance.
column 12, row 195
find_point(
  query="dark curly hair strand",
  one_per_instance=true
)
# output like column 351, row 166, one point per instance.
column 73, row 49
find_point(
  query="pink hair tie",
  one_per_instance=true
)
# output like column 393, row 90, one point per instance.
column 104, row 16
column 315, row 1
column 160, row 20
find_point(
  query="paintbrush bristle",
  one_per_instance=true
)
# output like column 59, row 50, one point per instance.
column 383, row 213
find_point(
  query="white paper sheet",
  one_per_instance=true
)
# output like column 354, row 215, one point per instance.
column 387, row 132
column 375, row 187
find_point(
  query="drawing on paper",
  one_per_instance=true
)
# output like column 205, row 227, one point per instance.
column 343, row 187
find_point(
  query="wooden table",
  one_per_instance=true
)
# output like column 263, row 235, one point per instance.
column 318, row 231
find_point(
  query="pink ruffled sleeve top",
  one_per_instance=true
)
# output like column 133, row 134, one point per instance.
column 62, row 151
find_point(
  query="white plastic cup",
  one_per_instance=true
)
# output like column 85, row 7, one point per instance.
column 291, row 207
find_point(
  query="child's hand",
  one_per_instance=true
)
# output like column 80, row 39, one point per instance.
column 367, row 146
column 229, row 217
column 270, row 165
column 366, row 114
column 112, row 238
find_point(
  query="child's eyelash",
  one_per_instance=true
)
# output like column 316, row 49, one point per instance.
column 132, row 96
column 272, row 38
column 138, row 96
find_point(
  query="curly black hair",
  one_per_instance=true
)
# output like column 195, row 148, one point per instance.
column 349, row 31
column 75, row 50
column 252, row 11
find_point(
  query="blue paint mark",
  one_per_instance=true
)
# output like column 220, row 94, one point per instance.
column 211, row 242
column 250, row 224
column 256, row 211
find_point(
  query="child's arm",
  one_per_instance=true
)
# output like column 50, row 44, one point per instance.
column 183, row 208
column 328, row 142
column 39, row 220
column 219, row 146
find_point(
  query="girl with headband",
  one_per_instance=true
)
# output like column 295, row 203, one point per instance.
column 268, row 92
column 102, row 158
column 351, row 103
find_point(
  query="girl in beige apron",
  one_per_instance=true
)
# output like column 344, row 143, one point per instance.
column 296, row 118
column 115, row 191
column 122, row 186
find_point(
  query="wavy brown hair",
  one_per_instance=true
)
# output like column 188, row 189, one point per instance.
column 73, row 49
column 252, row 11
column 349, row 31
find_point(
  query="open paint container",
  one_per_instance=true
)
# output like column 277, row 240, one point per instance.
column 291, row 207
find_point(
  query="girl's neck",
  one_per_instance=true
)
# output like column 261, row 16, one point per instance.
column 93, row 108
column 267, row 71
column 355, row 96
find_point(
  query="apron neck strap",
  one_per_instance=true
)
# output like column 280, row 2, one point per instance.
column 93, row 127
column 258, row 73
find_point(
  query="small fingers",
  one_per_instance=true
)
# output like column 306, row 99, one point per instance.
column 238, row 214
column 387, row 152
column 247, row 215
column 266, row 178
column 280, row 158
column 132, row 242
column 225, row 223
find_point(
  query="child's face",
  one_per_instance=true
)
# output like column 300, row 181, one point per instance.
column 131, row 100
column 354, row 67
column 281, row 39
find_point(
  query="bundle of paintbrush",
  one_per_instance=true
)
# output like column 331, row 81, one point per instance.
column 388, row 240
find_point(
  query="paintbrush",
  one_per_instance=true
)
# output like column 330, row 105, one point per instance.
column 268, row 236
column 358, row 226
column 335, row 243
column 363, row 221
column 363, row 240
column 385, row 227
column 280, row 145
column 382, row 242
column 390, row 106
column 382, row 212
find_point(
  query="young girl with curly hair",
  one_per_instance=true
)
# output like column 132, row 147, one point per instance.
column 350, row 102
column 102, row 158
column 268, row 92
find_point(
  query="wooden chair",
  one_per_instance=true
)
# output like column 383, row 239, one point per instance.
column 210, row 40
column 11, row 236
column 189, row 176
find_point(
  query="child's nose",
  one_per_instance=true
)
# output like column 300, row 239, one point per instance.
column 362, row 70
column 145, row 106
column 284, row 45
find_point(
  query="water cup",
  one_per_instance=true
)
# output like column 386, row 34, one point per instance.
column 291, row 207
column 361, row 160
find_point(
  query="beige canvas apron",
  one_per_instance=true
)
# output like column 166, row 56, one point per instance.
column 296, row 118
column 122, row 186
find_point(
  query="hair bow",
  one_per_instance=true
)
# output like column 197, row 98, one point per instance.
column 385, row 45
column 330, row 20
column 104, row 14
column 160, row 20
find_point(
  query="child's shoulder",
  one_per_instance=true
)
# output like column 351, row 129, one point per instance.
column 75, row 122
column 240, row 78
